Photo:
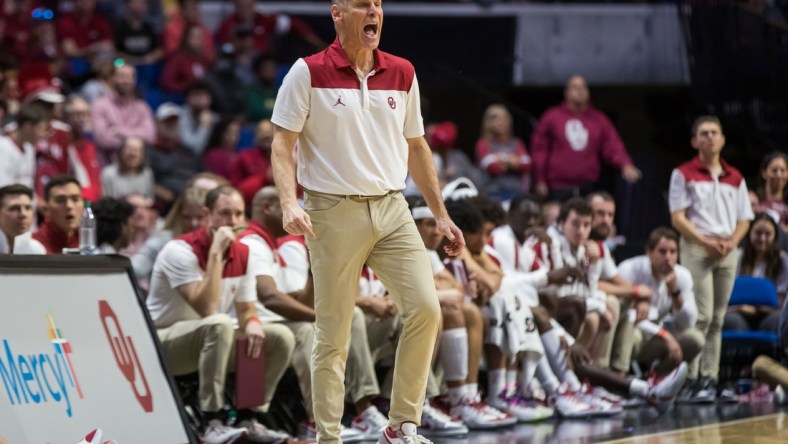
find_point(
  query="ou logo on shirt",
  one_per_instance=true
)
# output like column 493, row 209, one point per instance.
column 576, row 134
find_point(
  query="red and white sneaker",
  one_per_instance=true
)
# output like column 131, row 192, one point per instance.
column 603, row 406
column 478, row 415
column 258, row 433
column 405, row 435
column 525, row 410
column 663, row 391
column 569, row 405
column 434, row 422
column 370, row 423
column 94, row 437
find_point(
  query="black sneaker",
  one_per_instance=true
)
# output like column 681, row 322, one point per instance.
column 685, row 394
column 706, row 392
column 727, row 394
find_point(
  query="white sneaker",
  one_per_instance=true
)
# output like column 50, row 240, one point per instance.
column 663, row 391
column 218, row 433
column 405, row 435
column 256, row 432
column 371, row 423
column 436, row 423
column 307, row 431
column 94, row 437
column 526, row 410
column 601, row 392
column 478, row 415
column 603, row 406
column 569, row 405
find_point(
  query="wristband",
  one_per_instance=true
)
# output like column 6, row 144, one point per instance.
column 662, row 333
column 254, row 319
column 636, row 292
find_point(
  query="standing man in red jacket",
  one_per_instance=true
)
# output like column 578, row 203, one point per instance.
column 571, row 142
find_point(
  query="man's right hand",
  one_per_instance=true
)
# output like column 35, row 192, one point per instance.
column 296, row 221
column 222, row 238
column 674, row 349
column 541, row 189
column 564, row 275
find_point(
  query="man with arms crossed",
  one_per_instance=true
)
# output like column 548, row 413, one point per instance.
column 355, row 112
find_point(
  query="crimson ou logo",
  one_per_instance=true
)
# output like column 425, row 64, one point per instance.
column 392, row 103
column 126, row 356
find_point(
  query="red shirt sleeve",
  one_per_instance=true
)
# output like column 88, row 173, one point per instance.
column 613, row 150
column 487, row 160
column 524, row 164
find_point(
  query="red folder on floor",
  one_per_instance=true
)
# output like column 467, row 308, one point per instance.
column 249, row 377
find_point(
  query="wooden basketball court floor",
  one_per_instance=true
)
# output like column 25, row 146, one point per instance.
column 691, row 424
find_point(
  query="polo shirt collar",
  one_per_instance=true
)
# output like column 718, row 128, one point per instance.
column 699, row 166
column 340, row 60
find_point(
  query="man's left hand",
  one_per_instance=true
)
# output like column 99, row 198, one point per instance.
column 631, row 173
column 255, row 338
column 453, row 234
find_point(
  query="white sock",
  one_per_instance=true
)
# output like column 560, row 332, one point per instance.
column 546, row 376
column 453, row 354
column 471, row 388
column 456, row 394
column 496, row 382
column 557, row 359
column 527, row 372
column 511, row 382
column 638, row 387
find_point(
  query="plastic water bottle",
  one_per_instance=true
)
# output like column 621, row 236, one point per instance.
column 87, row 231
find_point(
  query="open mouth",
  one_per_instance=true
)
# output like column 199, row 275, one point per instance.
column 371, row 30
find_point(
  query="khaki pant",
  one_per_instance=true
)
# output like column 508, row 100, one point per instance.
column 615, row 305
column 380, row 232
column 207, row 346
column 712, row 284
column 690, row 340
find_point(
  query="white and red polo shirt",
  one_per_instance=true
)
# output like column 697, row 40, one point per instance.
column 295, row 262
column 518, row 261
column 265, row 261
column 183, row 261
column 353, row 128
column 714, row 204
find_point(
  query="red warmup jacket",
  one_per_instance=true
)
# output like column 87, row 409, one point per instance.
column 569, row 148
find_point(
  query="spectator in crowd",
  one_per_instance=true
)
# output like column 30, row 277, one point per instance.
column 571, row 142
column 17, row 150
column 172, row 163
column 43, row 43
column 502, row 155
column 16, row 218
column 265, row 27
column 121, row 114
column 198, row 280
column 452, row 162
column 17, row 28
column 254, row 163
column 130, row 173
column 710, row 208
column 772, row 186
column 63, row 207
column 113, row 224
column 142, row 224
column 196, row 119
column 9, row 92
column 84, row 32
column 261, row 95
column 102, row 67
column 221, row 156
column 135, row 38
column 40, row 88
column 188, row 64
column 671, row 285
column 188, row 14
column 83, row 158
column 760, row 256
